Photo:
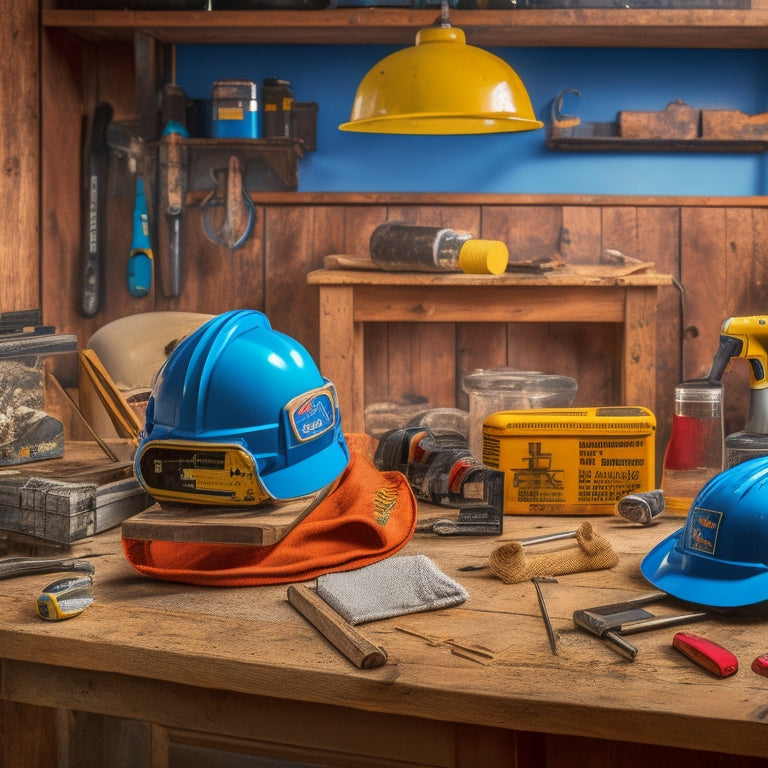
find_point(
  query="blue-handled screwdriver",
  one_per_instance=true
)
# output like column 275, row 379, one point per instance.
column 141, row 259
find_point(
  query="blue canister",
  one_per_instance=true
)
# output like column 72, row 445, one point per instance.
column 235, row 109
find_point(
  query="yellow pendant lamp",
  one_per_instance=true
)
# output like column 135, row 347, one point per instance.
column 441, row 86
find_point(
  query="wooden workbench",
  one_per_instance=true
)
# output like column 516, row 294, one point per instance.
column 179, row 667
column 593, row 294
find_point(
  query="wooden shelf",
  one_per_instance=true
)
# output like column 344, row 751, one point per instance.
column 605, row 137
column 576, row 27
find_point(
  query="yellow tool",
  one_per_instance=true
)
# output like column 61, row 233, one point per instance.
column 746, row 337
column 65, row 598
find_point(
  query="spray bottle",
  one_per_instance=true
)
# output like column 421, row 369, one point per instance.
column 746, row 337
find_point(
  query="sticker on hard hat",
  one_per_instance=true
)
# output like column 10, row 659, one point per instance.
column 313, row 413
column 703, row 529
column 214, row 474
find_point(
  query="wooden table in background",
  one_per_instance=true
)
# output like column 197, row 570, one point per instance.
column 351, row 298
column 160, row 674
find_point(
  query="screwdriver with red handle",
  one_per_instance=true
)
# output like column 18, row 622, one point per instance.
column 713, row 657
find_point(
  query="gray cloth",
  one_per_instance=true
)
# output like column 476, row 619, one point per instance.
column 391, row 587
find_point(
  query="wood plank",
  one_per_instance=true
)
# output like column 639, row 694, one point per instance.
column 250, row 657
column 341, row 354
column 421, row 362
column 639, row 349
column 669, row 28
column 530, row 233
column 659, row 239
column 581, row 234
column 27, row 735
column 61, row 91
column 569, row 275
column 290, row 240
column 460, row 303
column 20, row 181
column 478, row 345
column 255, row 526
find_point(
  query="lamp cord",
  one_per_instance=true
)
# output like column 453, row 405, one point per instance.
column 444, row 21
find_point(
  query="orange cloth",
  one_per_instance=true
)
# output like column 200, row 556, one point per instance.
column 368, row 516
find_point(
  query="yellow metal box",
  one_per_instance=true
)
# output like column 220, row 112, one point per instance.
column 571, row 461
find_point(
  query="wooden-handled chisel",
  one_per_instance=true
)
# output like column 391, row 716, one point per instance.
column 172, row 190
column 339, row 632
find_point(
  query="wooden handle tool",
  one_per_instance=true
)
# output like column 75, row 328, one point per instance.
column 339, row 632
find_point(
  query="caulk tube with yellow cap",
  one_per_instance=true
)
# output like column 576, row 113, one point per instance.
column 398, row 247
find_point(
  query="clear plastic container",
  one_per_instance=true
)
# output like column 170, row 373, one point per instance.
column 443, row 420
column 695, row 450
column 505, row 389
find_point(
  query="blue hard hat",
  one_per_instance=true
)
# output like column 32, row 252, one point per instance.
column 237, row 386
column 720, row 557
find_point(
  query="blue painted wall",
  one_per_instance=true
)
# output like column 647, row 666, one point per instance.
column 609, row 80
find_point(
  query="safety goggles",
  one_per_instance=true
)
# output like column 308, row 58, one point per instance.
column 228, row 473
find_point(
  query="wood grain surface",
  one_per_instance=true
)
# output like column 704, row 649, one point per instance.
column 156, row 636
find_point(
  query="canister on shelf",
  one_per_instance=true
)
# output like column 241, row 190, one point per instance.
column 395, row 246
column 277, row 108
column 235, row 109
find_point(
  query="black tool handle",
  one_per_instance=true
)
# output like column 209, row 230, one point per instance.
column 94, row 209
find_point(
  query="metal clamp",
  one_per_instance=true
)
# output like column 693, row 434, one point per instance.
column 229, row 193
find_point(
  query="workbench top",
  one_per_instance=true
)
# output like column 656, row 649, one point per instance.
column 251, row 641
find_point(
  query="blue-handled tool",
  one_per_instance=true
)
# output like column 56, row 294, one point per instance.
column 141, row 260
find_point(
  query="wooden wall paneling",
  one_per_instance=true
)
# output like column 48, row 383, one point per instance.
column 580, row 240
column 360, row 221
column 484, row 345
column 422, row 357
column 620, row 232
column 350, row 234
column 294, row 240
column 600, row 753
column 659, row 242
column 584, row 350
column 20, row 179
column 27, row 735
column 745, row 293
column 530, row 231
column 703, row 276
column 60, row 91
column 478, row 345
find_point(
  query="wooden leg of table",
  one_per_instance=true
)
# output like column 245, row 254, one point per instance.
column 638, row 376
column 342, row 353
